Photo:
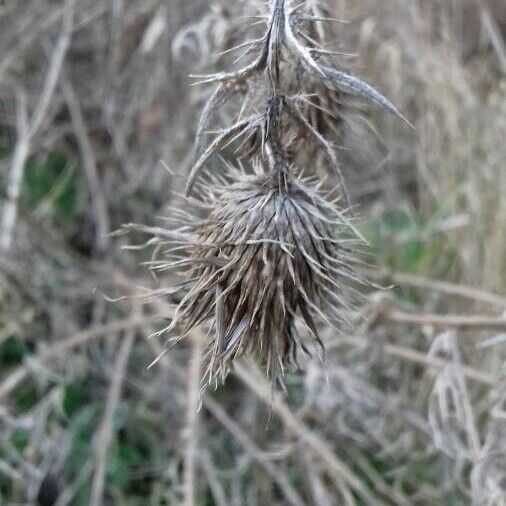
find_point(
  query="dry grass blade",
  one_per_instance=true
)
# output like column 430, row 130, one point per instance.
column 90, row 166
column 106, row 430
column 28, row 128
column 454, row 289
column 449, row 321
column 192, row 425
column 19, row 158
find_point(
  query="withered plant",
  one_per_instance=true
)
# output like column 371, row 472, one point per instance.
column 263, row 247
column 410, row 408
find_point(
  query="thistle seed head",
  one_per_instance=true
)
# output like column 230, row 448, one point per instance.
column 270, row 252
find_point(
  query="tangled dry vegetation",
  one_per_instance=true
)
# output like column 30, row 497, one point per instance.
column 409, row 405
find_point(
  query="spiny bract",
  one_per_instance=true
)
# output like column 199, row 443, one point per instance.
column 268, row 252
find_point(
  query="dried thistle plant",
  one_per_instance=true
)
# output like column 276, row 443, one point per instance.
column 263, row 247
column 266, row 253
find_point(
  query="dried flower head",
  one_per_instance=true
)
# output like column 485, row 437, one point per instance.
column 271, row 250
column 263, row 250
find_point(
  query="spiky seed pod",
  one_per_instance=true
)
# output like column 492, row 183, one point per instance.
column 267, row 255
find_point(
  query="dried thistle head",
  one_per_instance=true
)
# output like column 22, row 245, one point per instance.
column 271, row 251
column 268, row 249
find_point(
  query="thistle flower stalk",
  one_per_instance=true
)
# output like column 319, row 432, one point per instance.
column 266, row 252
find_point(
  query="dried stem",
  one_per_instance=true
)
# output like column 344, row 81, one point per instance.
column 64, row 345
column 454, row 289
column 98, row 200
column 448, row 321
column 218, row 412
column 191, row 437
column 417, row 357
column 106, row 430
column 19, row 158
column 28, row 129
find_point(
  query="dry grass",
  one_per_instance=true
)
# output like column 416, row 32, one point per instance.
column 409, row 407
